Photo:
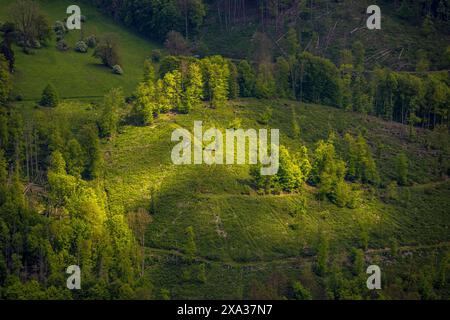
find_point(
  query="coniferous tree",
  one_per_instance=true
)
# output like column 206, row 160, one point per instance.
column 145, row 105
column 49, row 97
column 361, row 165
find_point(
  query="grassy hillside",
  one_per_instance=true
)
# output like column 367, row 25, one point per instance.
column 237, row 228
column 76, row 74
column 249, row 244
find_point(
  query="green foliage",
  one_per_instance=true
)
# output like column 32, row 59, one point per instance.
column 346, row 58
column 170, row 92
column 89, row 139
column 283, row 73
column 443, row 269
column 319, row 80
column 216, row 74
column 176, row 44
column 401, row 168
column 75, row 228
column 392, row 191
column 346, row 86
column 191, row 248
column 194, row 88
column 359, row 53
column 201, row 273
column 233, row 86
column 265, row 86
column 169, row 63
column 5, row 80
column 49, row 97
column 165, row 294
column 157, row 18
column 81, row 47
column 361, row 94
column 145, row 104
column 75, row 156
column 291, row 43
column 62, row 45
column 300, row 292
column 328, row 172
column 266, row 116
column 110, row 109
column 385, row 84
column 117, row 69
column 292, row 173
column 322, row 252
column 357, row 261
column 91, row 41
column 7, row 51
column 149, row 71
column 246, row 79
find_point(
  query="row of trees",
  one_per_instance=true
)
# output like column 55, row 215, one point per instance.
column 409, row 99
column 155, row 18
column 183, row 84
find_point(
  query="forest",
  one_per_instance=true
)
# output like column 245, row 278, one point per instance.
column 86, row 178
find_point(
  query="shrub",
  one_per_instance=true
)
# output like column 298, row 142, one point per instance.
column 59, row 28
column 300, row 292
column 117, row 69
column 49, row 97
column 62, row 45
column 91, row 41
column 108, row 50
column 81, row 46
column 341, row 195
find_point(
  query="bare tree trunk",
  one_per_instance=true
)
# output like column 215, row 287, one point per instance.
column 219, row 15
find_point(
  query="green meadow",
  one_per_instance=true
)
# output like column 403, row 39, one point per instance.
column 78, row 75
